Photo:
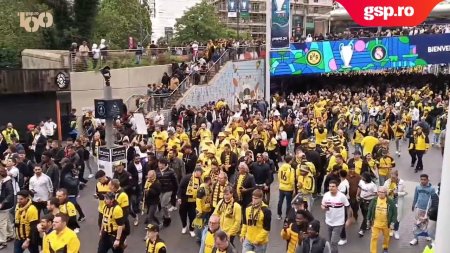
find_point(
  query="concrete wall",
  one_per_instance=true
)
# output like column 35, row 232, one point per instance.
column 44, row 59
column 235, row 79
column 87, row 86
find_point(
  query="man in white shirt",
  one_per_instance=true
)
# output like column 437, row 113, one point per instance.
column 42, row 188
column 334, row 203
column 49, row 128
column 159, row 119
column 344, row 187
column 415, row 114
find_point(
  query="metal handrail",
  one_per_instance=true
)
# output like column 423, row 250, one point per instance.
column 220, row 58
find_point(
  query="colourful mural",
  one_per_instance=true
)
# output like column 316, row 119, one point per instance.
column 242, row 79
column 345, row 55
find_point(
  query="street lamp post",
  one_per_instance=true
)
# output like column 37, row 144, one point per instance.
column 107, row 95
column 109, row 109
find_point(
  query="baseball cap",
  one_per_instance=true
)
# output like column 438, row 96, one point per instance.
column 152, row 227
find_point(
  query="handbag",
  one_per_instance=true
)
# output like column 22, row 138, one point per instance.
column 284, row 143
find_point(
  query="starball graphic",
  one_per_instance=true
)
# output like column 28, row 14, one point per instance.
column 32, row 21
column 389, row 12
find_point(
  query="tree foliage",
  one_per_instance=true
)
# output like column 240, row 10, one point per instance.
column 200, row 23
column 118, row 19
column 13, row 38
column 85, row 12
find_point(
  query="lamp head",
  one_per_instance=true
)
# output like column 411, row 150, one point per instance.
column 106, row 74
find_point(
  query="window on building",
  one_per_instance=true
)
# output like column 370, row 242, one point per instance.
column 255, row 7
column 306, row 1
column 316, row 1
column 309, row 20
column 316, row 10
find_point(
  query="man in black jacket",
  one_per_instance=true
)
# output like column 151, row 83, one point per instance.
column 6, row 204
column 187, row 195
column 169, row 184
column 189, row 159
column 136, row 169
column 263, row 176
column 51, row 169
column 313, row 243
column 152, row 191
column 256, row 145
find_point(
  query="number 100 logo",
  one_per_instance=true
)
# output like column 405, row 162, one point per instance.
column 32, row 21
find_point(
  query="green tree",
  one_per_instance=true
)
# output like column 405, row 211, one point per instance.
column 199, row 23
column 117, row 20
column 85, row 12
column 13, row 38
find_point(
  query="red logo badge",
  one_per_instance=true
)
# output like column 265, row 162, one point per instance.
column 389, row 12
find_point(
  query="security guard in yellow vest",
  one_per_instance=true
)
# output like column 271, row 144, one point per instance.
column 154, row 244
column 101, row 188
column 112, row 234
column 25, row 222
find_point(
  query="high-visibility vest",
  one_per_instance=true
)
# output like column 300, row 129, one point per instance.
column 428, row 249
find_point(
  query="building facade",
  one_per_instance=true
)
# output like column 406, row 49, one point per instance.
column 307, row 17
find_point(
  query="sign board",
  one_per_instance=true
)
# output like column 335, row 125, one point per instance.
column 280, row 31
column 32, row 21
column 108, row 156
column 364, row 54
column 118, row 154
column 141, row 127
column 232, row 8
column 108, row 109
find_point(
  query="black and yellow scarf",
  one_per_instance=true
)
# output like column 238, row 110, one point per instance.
column 192, row 188
column 21, row 212
column 239, row 185
column 226, row 208
column 254, row 214
column 218, row 193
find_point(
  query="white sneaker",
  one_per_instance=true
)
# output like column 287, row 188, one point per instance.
column 279, row 217
column 397, row 235
column 429, row 239
column 184, row 230
column 76, row 230
column 342, row 242
column 91, row 176
column 413, row 242
column 172, row 208
column 192, row 233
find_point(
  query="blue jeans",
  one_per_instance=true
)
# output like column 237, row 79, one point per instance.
column 18, row 247
column 247, row 246
column 288, row 196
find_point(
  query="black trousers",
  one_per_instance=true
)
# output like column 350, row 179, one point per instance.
column 106, row 243
column 41, row 207
column 419, row 154
column 187, row 209
column 355, row 207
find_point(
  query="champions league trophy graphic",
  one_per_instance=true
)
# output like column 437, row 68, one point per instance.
column 232, row 3
column 346, row 52
column 244, row 5
column 279, row 4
